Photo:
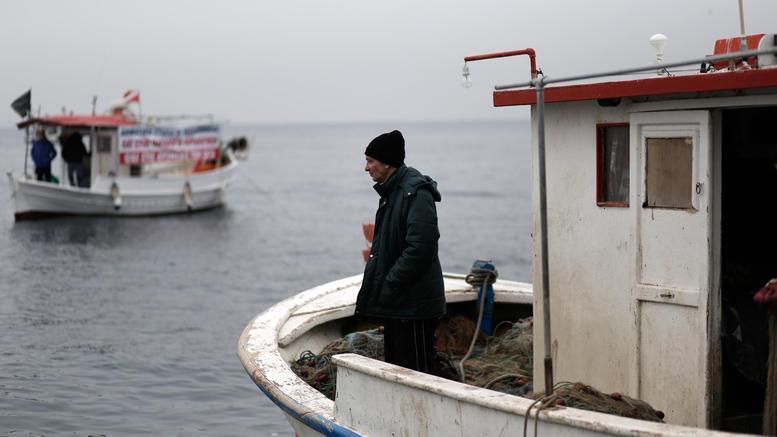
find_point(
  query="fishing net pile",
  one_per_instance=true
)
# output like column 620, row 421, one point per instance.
column 319, row 372
column 502, row 362
column 585, row 397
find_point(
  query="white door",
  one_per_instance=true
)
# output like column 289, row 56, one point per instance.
column 104, row 161
column 671, row 280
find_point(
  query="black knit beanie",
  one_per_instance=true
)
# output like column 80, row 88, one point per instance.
column 388, row 148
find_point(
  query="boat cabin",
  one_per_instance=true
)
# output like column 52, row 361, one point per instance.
column 98, row 135
column 661, row 198
column 121, row 147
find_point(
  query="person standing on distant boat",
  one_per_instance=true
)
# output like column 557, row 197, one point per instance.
column 403, row 285
column 73, row 152
column 43, row 152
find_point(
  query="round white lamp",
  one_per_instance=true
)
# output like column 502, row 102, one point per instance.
column 658, row 41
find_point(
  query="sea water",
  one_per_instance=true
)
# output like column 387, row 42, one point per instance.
column 129, row 326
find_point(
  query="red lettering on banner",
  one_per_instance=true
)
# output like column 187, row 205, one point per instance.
column 149, row 145
column 148, row 157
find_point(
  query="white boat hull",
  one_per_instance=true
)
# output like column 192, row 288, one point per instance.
column 138, row 196
column 379, row 399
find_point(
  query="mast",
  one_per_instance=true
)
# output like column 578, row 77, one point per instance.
column 27, row 142
column 26, row 148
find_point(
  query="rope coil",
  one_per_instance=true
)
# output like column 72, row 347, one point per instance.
column 478, row 277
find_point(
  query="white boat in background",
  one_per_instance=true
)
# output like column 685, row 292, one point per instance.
column 653, row 227
column 133, row 168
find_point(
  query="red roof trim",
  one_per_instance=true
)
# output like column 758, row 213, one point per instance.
column 657, row 86
column 78, row 121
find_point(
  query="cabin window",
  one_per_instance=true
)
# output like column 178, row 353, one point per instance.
column 612, row 164
column 668, row 172
column 103, row 144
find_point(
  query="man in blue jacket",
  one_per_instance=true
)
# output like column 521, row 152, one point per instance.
column 43, row 152
column 403, row 285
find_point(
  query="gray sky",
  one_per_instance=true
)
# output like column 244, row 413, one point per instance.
column 296, row 61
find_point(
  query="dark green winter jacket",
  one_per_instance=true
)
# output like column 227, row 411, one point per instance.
column 403, row 278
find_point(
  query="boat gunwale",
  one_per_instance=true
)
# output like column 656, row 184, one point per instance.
column 516, row 405
column 505, row 292
column 269, row 323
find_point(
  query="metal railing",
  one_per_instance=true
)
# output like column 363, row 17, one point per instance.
column 544, row 80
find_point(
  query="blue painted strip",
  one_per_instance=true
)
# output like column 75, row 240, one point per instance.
column 313, row 420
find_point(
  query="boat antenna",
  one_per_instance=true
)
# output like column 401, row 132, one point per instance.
column 743, row 40
column 27, row 139
column 94, row 104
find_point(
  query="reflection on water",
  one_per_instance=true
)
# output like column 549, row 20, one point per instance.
column 129, row 326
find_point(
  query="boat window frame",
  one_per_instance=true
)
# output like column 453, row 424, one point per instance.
column 601, row 201
column 669, row 197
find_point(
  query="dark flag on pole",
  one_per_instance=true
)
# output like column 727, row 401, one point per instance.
column 22, row 104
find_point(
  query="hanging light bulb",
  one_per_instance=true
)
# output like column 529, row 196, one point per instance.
column 658, row 41
column 466, row 82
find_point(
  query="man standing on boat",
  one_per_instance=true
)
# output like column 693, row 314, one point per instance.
column 73, row 152
column 43, row 152
column 403, row 285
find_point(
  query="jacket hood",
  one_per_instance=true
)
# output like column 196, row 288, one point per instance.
column 410, row 181
column 414, row 181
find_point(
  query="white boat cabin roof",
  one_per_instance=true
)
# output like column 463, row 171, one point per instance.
column 713, row 79
column 78, row 121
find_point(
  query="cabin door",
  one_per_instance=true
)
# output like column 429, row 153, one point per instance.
column 104, row 154
column 672, row 258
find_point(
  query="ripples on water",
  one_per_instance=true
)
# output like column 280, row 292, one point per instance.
column 130, row 326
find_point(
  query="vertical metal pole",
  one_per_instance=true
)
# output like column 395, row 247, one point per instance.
column 26, row 150
column 93, row 159
column 743, row 39
column 544, row 236
column 116, row 151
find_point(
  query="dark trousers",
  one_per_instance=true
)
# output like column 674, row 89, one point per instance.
column 410, row 344
column 75, row 174
column 43, row 173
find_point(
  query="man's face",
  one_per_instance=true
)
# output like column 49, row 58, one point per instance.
column 378, row 171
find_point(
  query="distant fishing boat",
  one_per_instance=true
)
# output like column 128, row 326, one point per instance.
column 133, row 166
column 653, row 211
